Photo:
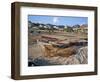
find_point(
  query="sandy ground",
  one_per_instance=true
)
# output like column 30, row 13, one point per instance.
column 36, row 52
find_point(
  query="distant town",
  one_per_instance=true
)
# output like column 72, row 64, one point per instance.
column 53, row 28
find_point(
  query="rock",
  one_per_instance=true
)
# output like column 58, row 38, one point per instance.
column 82, row 55
column 79, row 58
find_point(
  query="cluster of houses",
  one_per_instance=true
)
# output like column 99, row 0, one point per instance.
column 76, row 28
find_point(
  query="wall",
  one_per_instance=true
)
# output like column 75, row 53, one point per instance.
column 5, row 40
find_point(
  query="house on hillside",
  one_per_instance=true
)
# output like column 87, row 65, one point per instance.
column 55, row 27
column 76, row 28
column 61, row 28
column 82, row 28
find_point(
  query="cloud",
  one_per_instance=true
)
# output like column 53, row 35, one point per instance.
column 55, row 19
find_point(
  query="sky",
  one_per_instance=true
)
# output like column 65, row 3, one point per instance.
column 58, row 20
